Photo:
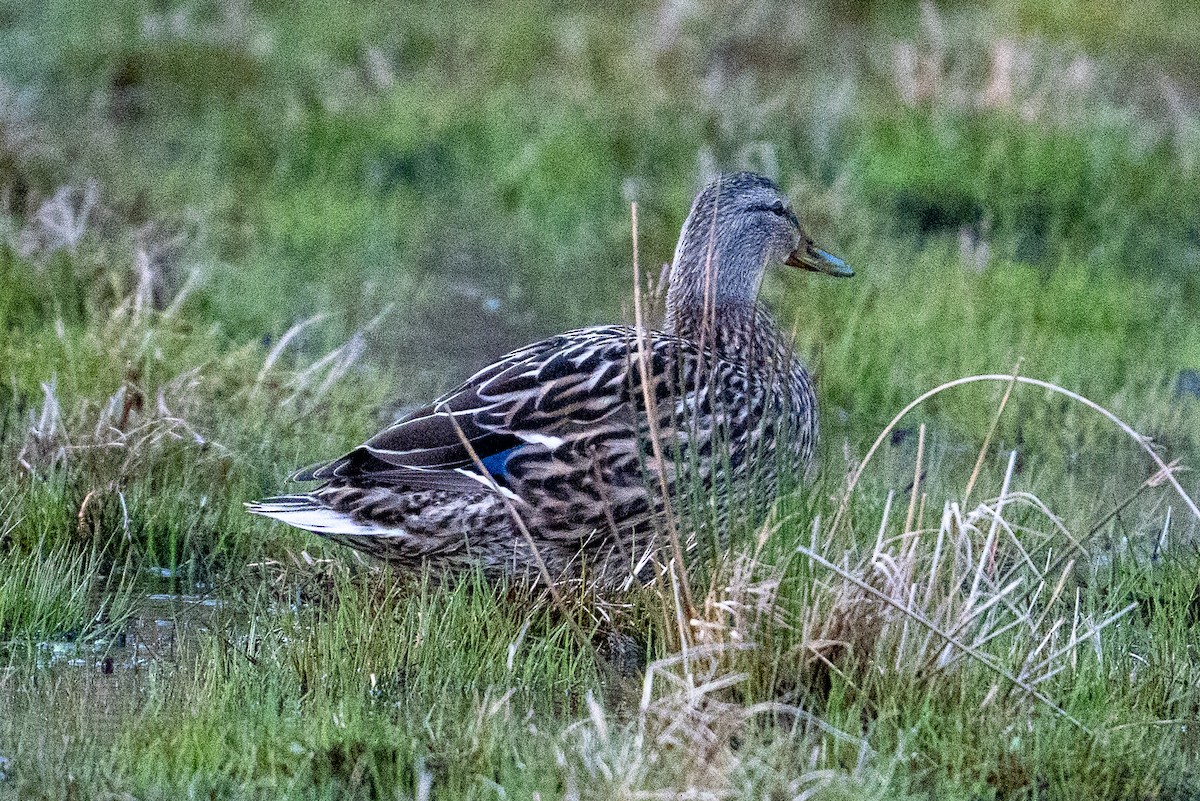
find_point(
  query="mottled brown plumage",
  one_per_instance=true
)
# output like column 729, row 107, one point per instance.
column 558, row 433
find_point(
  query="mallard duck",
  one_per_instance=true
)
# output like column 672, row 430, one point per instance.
column 557, row 435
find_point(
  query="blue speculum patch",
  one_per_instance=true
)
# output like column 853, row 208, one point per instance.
column 497, row 463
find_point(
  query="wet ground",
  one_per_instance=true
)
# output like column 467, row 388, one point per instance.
column 99, row 679
column 153, row 635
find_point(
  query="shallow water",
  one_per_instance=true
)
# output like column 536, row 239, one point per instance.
column 81, row 687
column 154, row 634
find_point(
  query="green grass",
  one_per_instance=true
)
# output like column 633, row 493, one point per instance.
column 58, row 596
column 305, row 217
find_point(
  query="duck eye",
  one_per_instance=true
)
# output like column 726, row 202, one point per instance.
column 779, row 209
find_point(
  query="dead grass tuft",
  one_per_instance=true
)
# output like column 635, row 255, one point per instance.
column 60, row 222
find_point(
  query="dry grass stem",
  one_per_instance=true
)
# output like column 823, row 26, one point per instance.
column 1141, row 440
column 677, row 569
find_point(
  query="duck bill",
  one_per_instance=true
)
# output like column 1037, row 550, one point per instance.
column 808, row 257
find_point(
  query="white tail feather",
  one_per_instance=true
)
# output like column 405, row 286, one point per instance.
column 321, row 519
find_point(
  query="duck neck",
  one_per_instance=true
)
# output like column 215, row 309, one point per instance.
column 714, row 304
column 706, row 323
column 744, row 333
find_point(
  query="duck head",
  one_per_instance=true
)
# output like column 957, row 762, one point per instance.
column 738, row 225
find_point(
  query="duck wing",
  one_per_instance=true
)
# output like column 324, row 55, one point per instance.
column 534, row 399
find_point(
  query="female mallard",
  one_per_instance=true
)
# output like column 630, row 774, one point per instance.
column 557, row 432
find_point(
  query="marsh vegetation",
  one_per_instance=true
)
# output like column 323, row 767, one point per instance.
column 238, row 238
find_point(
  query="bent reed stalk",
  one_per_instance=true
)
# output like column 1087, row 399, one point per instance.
column 1166, row 470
